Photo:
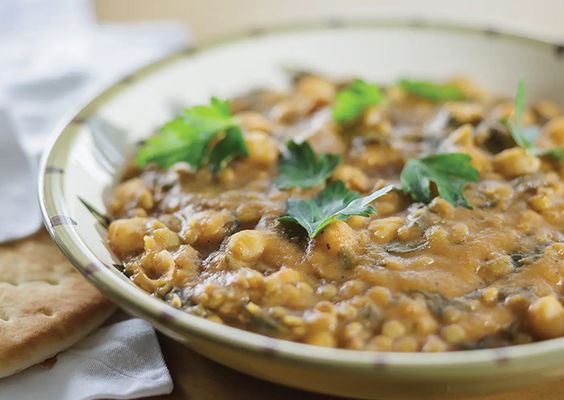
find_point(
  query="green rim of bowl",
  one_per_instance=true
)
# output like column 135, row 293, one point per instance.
column 56, row 218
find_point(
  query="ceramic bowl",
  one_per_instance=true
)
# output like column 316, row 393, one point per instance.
column 80, row 167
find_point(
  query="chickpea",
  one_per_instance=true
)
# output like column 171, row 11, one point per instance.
column 464, row 112
column 380, row 343
column 321, row 321
column 377, row 118
column 377, row 155
column 499, row 266
column 406, row 344
column 356, row 221
column 347, row 312
column 385, row 229
column 126, row 236
column 327, row 139
column 548, row 110
column 438, row 237
column 287, row 275
column 530, row 221
column 247, row 246
column 460, row 232
column 426, row 325
column 434, row 344
column 352, row 288
column 227, row 177
column 490, row 296
column 454, row 333
column 161, row 239
column 130, row 194
column 254, row 121
column 380, row 295
column 515, row 162
column 319, row 90
column 546, row 316
column 337, row 238
column 326, row 306
column 285, row 112
column 327, row 291
column 209, row 226
column 353, row 330
column 353, row 177
column 393, row 329
column 452, row 315
column 411, row 308
column 361, row 301
column 262, row 149
column 540, row 203
column 442, row 207
column 554, row 130
column 470, row 88
column 293, row 321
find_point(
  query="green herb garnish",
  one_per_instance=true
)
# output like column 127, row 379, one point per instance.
column 229, row 147
column 431, row 91
column 350, row 102
column 526, row 136
column 299, row 166
column 450, row 172
column 334, row 202
column 188, row 138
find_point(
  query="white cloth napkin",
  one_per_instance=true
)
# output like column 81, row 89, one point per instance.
column 19, row 213
column 52, row 56
column 121, row 361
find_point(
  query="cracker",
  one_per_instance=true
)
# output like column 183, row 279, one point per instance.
column 45, row 304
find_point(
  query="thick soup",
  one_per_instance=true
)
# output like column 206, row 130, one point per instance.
column 464, row 251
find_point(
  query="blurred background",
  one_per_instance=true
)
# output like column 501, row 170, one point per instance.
column 208, row 19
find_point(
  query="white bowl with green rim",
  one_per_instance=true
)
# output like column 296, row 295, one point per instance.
column 90, row 148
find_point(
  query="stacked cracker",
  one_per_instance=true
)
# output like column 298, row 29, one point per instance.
column 45, row 304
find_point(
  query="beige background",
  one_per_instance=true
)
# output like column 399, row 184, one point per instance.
column 212, row 18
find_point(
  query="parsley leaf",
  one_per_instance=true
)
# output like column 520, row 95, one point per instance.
column 334, row 202
column 350, row 102
column 299, row 166
column 450, row 172
column 431, row 91
column 229, row 147
column 176, row 142
column 213, row 118
column 188, row 138
column 526, row 136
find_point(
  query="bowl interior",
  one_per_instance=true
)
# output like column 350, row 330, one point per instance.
column 95, row 143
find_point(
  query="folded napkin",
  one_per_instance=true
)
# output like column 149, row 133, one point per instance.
column 121, row 361
column 54, row 56
column 17, row 189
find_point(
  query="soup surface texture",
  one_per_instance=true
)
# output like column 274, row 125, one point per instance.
column 412, row 277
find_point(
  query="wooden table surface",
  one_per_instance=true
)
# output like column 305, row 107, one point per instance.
column 197, row 378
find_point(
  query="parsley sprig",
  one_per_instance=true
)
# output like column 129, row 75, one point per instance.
column 189, row 138
column 526, row 136
column 334, row 202
column 299, row 166
column 350, row 102
column 432, row 91
column 450, row 172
